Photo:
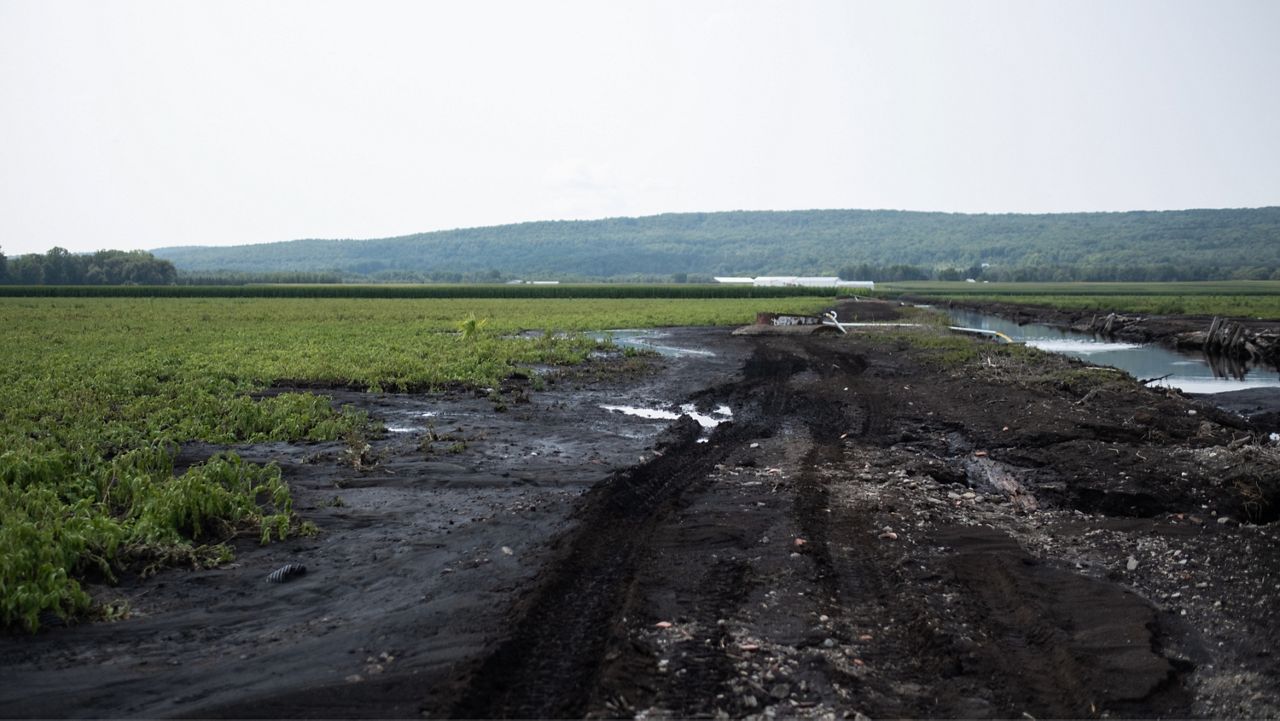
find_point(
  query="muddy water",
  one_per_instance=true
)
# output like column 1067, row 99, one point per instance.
column 1190, row 373
column 656, row 340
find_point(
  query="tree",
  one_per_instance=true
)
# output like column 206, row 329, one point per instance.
column 60, row 267
column 1251, row 273
column 4, row 267
column 27, row 270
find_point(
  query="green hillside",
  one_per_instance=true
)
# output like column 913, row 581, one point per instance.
column 1165, row 245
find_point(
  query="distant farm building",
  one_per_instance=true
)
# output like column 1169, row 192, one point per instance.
column 781, row 281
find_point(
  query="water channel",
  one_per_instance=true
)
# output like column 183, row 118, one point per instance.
column 1192, row 373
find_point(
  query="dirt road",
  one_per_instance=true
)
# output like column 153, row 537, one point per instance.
column 881, row 529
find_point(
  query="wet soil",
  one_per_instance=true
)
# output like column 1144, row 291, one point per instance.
column 1260, row 405
column 879, row 530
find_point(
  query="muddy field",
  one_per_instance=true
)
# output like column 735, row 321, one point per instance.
column 877, row 530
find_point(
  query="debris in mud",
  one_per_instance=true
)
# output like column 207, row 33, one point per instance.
column 989, row 475
column 287, row 572
column 359, row 453
column 783, row 324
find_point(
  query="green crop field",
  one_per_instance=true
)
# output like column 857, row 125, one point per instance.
column 1241, row 299
column 96, row 394
column 415, row 290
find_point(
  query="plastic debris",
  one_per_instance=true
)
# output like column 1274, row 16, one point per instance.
column 287, row 572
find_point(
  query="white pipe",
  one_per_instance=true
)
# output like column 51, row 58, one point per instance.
column 829, row 318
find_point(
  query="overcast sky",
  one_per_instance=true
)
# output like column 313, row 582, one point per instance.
column 146, row 124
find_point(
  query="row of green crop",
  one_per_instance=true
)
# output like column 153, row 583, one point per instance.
column 97, row 394
column 602, row 290
column 624, row 290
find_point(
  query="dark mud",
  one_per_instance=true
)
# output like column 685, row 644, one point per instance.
column 875, row 532
column 1259, row 405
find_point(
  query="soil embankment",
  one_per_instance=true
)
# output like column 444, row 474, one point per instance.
column 881, row 529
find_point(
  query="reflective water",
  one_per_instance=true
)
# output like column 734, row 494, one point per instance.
column 410, row 426
column 706, row 420
column 1190, row 373
column 650, row 340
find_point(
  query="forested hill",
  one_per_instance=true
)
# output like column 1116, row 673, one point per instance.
column 1201, row 243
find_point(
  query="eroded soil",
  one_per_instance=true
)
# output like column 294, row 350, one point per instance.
column 878, row 531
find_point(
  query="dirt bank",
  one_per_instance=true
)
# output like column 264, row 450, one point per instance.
column 885, row 527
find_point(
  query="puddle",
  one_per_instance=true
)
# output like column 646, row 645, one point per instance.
column 708, row 421
column 650, row 340
column 1191, row 373
column 651, row 413
column 401, row 428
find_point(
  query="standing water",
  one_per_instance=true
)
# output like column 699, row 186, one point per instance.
column 1196, row 373
column 650, row 339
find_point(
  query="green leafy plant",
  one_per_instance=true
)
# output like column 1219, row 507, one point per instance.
column 470, row 326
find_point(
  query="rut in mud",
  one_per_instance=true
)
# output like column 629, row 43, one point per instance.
column 669, row 545
column 552, row 662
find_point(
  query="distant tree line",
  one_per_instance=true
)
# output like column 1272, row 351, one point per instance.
column 241, row 278
column 488, row 275
column 885, row 273
column 1132, row 273
column 105, row 267
column 1059, row 274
